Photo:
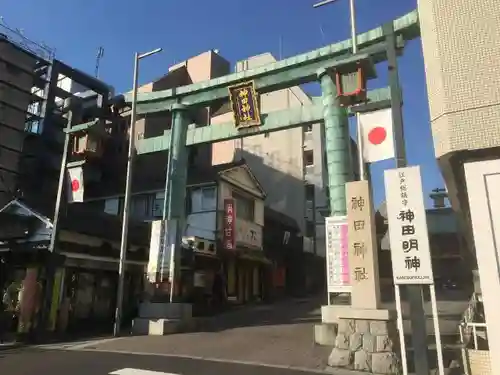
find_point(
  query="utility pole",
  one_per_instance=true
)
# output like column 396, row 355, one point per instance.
column 128, row 191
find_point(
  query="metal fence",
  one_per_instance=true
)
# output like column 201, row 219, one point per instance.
column 16, row 36
column 474, row 340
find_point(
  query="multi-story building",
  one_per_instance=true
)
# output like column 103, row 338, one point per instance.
column 34, row 90
column 149, row 173
column 290, row 163
column 17, row 76
column 461, row 48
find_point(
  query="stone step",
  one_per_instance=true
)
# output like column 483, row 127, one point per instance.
column 158, row 327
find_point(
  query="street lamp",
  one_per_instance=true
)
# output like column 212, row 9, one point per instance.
column 352, row 16
column 128, row 185
column 354, row 50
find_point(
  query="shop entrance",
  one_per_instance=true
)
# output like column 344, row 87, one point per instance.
column 23, row 269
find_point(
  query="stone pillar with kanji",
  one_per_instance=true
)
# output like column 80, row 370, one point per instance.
column 366, row 335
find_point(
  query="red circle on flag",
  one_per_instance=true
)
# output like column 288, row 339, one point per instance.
column 377, row 135
column 75, row 185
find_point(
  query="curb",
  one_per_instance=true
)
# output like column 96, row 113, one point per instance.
column 324, row 371
column 10, row 346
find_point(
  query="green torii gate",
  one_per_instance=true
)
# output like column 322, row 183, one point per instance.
column 379, row 44
column 375, row 45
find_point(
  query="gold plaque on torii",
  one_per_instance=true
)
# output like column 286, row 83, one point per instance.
column 245, row 104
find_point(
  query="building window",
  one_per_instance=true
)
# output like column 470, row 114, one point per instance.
column 309, row 192
column 245, row 207
column 112, row 206
column 203, row 200
column 158, row 204
column 140, row 207
column 310, row 229
column 309, row 157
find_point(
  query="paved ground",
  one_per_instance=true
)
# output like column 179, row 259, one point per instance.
column 56, row 362
column 278, row 335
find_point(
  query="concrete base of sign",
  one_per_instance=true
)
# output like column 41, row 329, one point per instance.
column 333, row 313
column 325, row 334
column 163, row 318
column 362, row 340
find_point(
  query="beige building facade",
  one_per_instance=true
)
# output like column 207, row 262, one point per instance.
column 461, row 47
column 289, row 164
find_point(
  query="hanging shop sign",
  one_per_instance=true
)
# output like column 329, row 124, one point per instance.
column 229, row 231
column 245, row 105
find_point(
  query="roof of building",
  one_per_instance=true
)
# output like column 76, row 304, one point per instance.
column 197, row 175
column 78, row 218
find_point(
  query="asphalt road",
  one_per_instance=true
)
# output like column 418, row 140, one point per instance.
column 30, row 361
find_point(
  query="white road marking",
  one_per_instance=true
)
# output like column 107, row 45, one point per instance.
column 78, row 345
column 138, row 371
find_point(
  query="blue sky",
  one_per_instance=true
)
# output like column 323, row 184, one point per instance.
column 238, row 28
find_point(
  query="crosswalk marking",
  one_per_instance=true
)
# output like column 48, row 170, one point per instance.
column 138, row 371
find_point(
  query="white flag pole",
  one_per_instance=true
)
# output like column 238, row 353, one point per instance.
column 437, row 332
column 399, row 312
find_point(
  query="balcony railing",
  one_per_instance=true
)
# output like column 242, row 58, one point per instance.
column 17, row 37
column 474, row 340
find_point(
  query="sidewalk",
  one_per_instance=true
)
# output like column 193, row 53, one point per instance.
column 275, row 335
column 9, row 345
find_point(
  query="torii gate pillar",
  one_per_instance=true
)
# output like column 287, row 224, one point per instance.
column 363, row 339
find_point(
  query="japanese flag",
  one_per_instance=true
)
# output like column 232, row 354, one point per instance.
column 75, row 184
column 377, row 135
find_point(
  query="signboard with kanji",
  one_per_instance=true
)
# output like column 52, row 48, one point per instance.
column 229, row 230
column 157, row 250
column 410, row 252
column 337, row 254
column 363, row 255
column 245, row 104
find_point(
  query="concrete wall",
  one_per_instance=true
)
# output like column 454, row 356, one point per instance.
column 461, row 47
column 483, row 179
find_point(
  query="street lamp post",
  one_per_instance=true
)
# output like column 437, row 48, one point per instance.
column 361, row 161
column 128, row 188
